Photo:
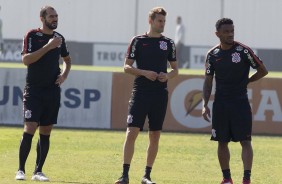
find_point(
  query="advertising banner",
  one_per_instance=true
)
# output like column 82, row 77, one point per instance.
column 185, row 104
column 110, row 54
column 85, row 99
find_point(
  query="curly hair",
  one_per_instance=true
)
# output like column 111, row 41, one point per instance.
column 223, row 21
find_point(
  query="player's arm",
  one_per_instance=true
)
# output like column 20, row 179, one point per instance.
column 65, row 72
column 207, row 89
column 163, row 77
column 171, row 74
column 130, row 69
column 260, row 73
column 29, row 58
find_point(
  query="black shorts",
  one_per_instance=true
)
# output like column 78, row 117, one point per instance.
column 41, row 105
column 231, row 120
column 151, row 105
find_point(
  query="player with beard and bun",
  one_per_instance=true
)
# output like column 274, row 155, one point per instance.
column 42, row 49
column 152, row 52
column 230, row 63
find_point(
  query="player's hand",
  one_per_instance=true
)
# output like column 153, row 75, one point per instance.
column 60, row 80
column 55, row 42
column 151, row 75
column 162, row 77
column 206, row 113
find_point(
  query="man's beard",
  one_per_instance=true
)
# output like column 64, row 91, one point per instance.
column 50, row 25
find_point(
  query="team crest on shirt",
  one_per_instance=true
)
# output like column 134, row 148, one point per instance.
column 236, row 57
column 27, row 114
column 163, row 45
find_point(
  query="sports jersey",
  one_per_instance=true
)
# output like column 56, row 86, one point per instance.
column 231, row 69
column 151, row 54
column 44, row 72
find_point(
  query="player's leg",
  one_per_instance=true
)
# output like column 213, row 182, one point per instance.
column 128, row 151
column 247, row 158
column 49, row 116
column 156, row 116
column 224, row 160
column 135, row 122
column 24, row 148
column 42, row 149
column 128, row 147
column 152, row 151
column 242, row 130
column 32, row 112
column 43, row 145
column 221, row 133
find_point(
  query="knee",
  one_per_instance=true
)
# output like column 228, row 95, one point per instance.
column 223, row 145
column 131, row 135
column 246, row 144
column 30, row 127
column 45, row 130
column 154, row 136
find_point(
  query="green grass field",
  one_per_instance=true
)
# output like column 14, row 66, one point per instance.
column 95, row 157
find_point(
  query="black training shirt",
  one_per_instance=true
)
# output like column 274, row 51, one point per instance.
column 151, row 54
column 231, row 69
column 44, row 72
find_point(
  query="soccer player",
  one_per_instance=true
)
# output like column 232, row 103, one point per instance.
column 42, row 49
column 230, row 62
column 152, row 51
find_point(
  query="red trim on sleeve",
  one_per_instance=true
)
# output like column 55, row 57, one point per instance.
column 251, row 52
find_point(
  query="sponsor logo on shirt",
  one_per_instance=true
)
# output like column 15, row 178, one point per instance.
column 239, row 48
column 29, row 44
column 251, row 59
column 133, row 48
column 173, row 49
column 208, row 65
column 215, row 51
column 39, row 34
column 236, row 57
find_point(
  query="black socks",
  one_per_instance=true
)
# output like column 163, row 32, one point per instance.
column 24, row 150
column 42, row 151
column 148, row 172
column 226, row 174
column 247, row 174
column 125, row 170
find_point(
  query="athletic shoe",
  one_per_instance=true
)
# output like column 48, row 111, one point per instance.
column 39, row 176
column 246, row 181
column 147, row 181
column 122, row 180
column 227, row 181
column 20, row 175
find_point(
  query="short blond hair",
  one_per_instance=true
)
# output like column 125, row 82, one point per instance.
column 157, row 10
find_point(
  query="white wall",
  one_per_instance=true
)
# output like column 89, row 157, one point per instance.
column 257, row 22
